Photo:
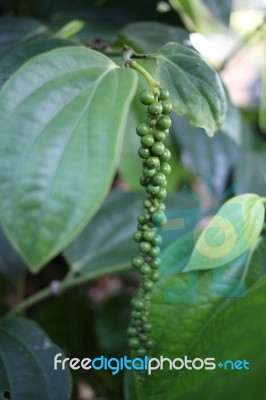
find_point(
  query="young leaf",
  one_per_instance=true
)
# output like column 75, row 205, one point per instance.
column 63, row 115
column 231, row 232
column 26, row 363
column 195, row 88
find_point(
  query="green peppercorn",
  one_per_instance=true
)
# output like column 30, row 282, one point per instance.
column 136, row 314
column 153, row 162
column 137, row 236
column 143, row 337
column 159, row 178
column 147, row 97
column 155, row 263
column 149, row 172
column 154, row 251
column 143, row 129
column 162, row 207
column 161, row 194
column 132, row 331
column 141, row 352
column 157, row 148
column 147, row 327
column 134, row 343
column 138, row 305
column 166, row 107
column 165, row 168
column 151, row 122
column 166, row 155
column 147, row 203
column 155, row 108
column 153, row 189
column 144, row 247
column 157, row 241
column 145, row 269
column 159, row 136
column 147, row 140
column 136, row 323
column 164, row 94
column 155, row 276
column 159, row 218
column 148, row 235
column 144, row 181
column 164, row 122
column 137, row 262
column 148, row 285
column 144, row 152
column 142, row 218
column 150, row 344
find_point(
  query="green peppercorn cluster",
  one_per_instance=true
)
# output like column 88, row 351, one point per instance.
column 155, row 170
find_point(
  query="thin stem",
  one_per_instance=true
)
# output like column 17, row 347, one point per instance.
column 56, row 287
column 133, row 64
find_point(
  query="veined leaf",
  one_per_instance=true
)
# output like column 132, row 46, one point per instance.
column 26, row 363
column 13, row 59
column 195, row 88
column 62, row 115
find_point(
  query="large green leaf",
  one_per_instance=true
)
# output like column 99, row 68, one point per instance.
column 195, row 88
column 26, row 363
column 13, row 59
column 149, row 36
column 232, row 231
column 201, row 327
column 11, row 264
column 63, row 115
column 256, row 267
column 250, row 173
column 107, row 239
column 14, row 31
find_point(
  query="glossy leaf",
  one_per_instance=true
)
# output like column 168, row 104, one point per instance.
column 13, row 59
column 107, row 239
column 26, row 363
column 207, row 325
column 250, row 173
column 256, row 267
column 11, row 264
column 195, row 88
column 14, row 31
column 149, row 36
column 232, row 231
column 58, row 148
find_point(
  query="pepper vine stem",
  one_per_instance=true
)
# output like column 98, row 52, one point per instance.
column 129, row 62
column 59, row 287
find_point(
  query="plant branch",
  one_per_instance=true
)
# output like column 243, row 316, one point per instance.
column 58, row 287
